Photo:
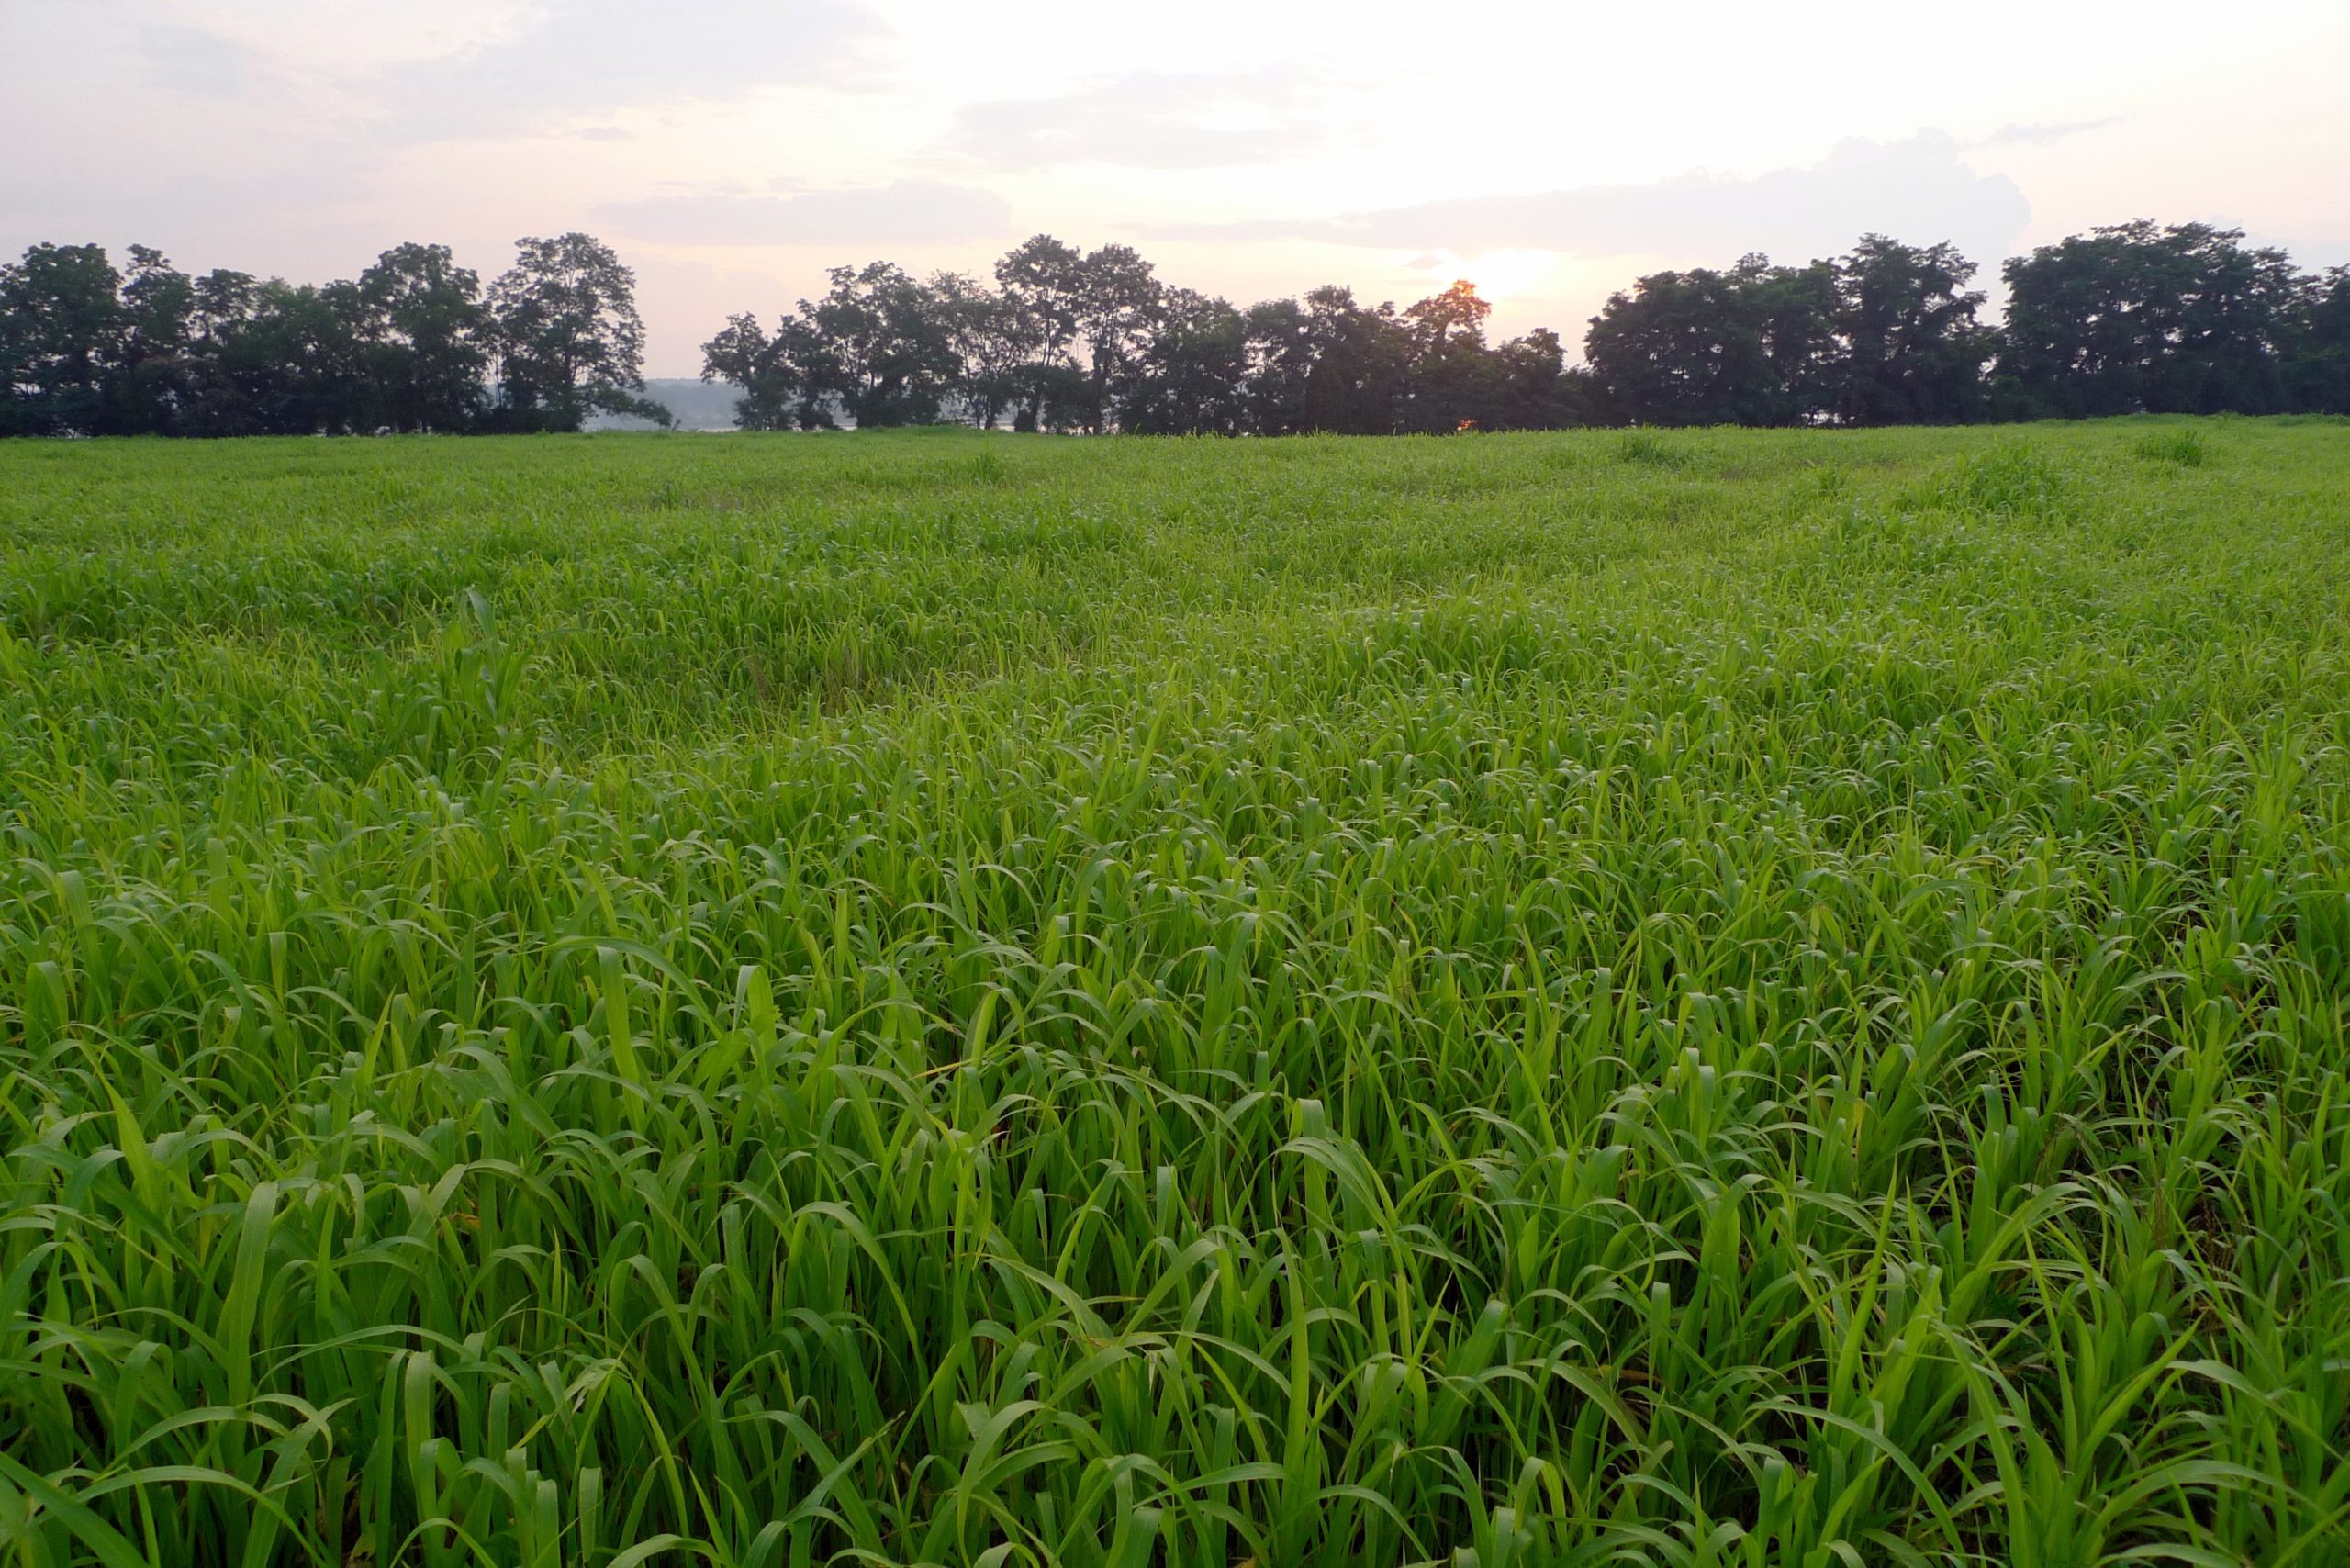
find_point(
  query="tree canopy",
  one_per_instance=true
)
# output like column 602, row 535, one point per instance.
column 413, row 343
column 2135, row 317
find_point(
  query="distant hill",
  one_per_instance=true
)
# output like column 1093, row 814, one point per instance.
column 698, row 405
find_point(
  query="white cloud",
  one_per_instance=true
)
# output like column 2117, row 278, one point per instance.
column 349, row 37
column 1154, row 120
column 586, row 59
column 1915, row 189
column 908, row 212
column 2035, row 134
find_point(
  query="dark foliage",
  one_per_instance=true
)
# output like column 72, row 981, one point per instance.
column 413, row 344
column 2133, row 319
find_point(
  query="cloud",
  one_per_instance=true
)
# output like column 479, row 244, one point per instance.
column 342, row 38
column 1915, row 189
column 591, row 57
column 1152, row 120
column 428, row 71
column 189, row 60
column 908, row 212
column 2039, row 135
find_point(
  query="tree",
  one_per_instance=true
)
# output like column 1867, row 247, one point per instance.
column 1535, row 390
column 778, row 392
column 1912, row 351
column 1042, row 284
column 2137, row 319
column 291, row 364
column 1455, row 315
column 1281, row 366
column 1118, row 309
column 1363, row 365
column 214, row 400
column 60, row 322
column 568, row 335
column 1750, row 346
column 882, row 346
column 424, row 327
column 1192, row 378
column 2127, row 318
column 2317, row 363
column 153, row 381
column 1454, row 380
column 980, row 332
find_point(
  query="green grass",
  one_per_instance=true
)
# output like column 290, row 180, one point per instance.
column 1738, row 999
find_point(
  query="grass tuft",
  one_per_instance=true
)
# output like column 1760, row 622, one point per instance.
column 2183, row 448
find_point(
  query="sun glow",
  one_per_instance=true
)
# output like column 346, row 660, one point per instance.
column 1500, row 275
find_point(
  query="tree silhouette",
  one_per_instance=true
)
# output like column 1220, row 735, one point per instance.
column 886, row 348
column 2318, row 363
column 60, row 319
column 1912, row 351
column 426, row 332
column 1748, row 346
column 2136, row 319
column 568, row 335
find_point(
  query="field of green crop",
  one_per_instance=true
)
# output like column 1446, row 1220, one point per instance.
column 1740, row 999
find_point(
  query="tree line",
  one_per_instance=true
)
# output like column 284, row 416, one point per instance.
column 2130, row 319
column 415, row 342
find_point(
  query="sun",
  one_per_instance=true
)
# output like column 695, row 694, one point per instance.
column 1499, row 275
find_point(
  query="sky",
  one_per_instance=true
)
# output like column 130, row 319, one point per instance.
column 732, row 150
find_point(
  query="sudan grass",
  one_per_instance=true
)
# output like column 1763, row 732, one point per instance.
column 977, row 1001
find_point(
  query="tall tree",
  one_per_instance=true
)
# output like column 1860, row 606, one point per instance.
column 2318, row 352
column 291, row 364
column 1913, row 351
column 60, row 322
column 779, row 392
column 1044, row 285
column 1361, row 377
column 425, row 332
column 1455, row 383
column 884, row 347
column 568, row 338
column 985, row 343
column 1750, row 346
column 1281, row 366
column 1192, row 377
column 1536, row 391
column 217, row 399
column 1118, row 309
column 154, row 381
column 2138, row 319
column 1457, row 315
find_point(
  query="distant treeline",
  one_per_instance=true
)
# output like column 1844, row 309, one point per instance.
column 413, row 343
column 2134, row 318
column 2131, row 319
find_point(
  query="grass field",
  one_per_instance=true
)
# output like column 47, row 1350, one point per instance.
column 1687, row 998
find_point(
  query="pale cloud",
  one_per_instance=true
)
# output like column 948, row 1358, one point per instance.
column 592, row 57
column 1915, row 189
column 191, row 60
column 1154, row 120
column 343, row 38
column 383, row 76
column 2039, row 135
column 907, row 212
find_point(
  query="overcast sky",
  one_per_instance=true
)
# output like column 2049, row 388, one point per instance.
column 731, row 150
